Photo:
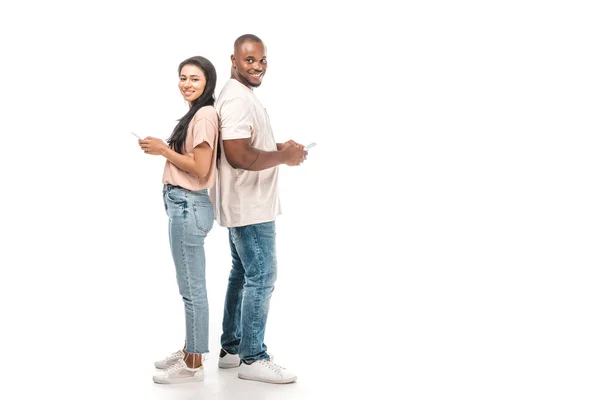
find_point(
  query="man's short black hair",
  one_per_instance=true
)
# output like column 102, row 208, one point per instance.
column 248, row 37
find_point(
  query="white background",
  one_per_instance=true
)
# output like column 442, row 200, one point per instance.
column 441, row 241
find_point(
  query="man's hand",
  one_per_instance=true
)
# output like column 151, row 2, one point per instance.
column 293, row 154
column 280, row 145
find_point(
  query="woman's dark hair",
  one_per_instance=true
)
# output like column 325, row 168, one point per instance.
column 177, row 139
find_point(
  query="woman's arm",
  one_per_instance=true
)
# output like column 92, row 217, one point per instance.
column 199, row 164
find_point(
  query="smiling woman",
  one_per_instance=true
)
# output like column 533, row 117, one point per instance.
column 192, row 82
column 189, row 173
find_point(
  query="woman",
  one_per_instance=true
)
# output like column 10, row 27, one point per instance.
column 189, row 172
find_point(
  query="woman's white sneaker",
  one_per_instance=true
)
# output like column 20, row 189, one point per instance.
column 180, row 373
column 266, row 371
column 169, row 360
column 173, row 358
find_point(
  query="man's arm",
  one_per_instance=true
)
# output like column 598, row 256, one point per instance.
column 236, row 125
column 241, row 155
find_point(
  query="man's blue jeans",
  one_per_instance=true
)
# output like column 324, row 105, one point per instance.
column 190, row 219
column 251, row 283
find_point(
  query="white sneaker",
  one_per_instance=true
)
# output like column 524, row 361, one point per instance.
column 173, row 358
column 227, row 360
column 169, row 360
column 266, row 371
column 180, row 373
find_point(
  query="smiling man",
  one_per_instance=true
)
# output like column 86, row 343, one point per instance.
column 249, row 60
column 246, row 201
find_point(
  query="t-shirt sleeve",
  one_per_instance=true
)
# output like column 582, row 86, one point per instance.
column 236, row 119
column 205, row 130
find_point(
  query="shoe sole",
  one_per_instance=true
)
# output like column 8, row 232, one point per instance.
column 227, row 366
column 176, row 381
column 249, row 378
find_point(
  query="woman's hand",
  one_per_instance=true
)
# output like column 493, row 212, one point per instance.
column 152, row 145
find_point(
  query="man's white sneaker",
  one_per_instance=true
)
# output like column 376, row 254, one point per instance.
column 227, row 360
column 169, row 360
column 180, row 373
column 266, row 371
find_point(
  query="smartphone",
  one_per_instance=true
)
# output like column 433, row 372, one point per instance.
column 310, row 146
column 136, row 135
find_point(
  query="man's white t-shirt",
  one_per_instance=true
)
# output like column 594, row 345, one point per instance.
column 243, row 197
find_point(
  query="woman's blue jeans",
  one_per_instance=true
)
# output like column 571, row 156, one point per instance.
column 190, row 219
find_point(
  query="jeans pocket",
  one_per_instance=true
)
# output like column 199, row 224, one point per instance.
column 204, row 216
column 165, row 202
column 176, row 196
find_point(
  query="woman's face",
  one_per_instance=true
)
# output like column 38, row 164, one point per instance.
column 191, row 82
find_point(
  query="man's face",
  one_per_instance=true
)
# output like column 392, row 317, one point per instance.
column 249, row 63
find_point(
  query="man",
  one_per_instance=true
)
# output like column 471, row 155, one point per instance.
column 246, row 202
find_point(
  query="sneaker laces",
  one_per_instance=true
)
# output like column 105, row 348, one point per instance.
column 177, row 354
column 272, row 365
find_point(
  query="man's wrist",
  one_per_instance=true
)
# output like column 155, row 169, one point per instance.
column 280, row 157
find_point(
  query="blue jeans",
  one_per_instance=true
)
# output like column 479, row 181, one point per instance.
column 251, row 283
column 190, row 219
